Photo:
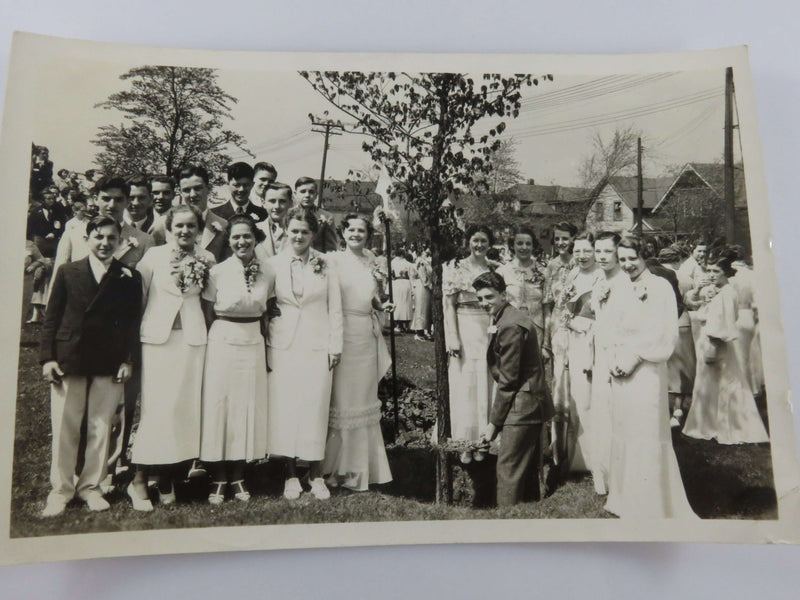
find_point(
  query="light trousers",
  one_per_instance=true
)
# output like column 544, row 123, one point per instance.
column 97, row 397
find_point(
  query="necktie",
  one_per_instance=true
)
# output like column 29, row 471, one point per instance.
column 296, row 268
column 239, row 210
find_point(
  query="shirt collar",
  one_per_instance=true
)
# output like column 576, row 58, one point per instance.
column 244, row 208
column 499, row 314
column 98, row 267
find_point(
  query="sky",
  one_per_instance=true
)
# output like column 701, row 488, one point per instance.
column 680, row 115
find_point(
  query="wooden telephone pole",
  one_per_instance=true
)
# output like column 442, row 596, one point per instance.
column 728, row 196
column 639, row 188
column 324, row 127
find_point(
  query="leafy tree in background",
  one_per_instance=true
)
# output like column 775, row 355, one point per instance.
column 173, row 116
column 435, row 134
column 609, row 157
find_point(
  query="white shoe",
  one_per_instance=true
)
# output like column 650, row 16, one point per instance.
column 54, row 507
column 465, row 457
column 292, row 488
column 319, row 489
column 140, row 504
column 674, row 422
column 107, row 485
column 96, row 502
column 678, row 413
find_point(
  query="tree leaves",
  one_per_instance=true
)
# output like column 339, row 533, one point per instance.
column 172, row 116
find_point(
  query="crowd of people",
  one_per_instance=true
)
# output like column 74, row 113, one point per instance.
column 241, row 332
column 255, row 329
column 631, row 335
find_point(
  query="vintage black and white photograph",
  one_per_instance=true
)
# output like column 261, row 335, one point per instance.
column 301, row 295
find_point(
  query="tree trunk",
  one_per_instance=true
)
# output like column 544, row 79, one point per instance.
column 444, row 479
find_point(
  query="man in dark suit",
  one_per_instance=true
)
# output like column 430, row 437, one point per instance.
column 193, row 186
column 87, row 347
column 240, row 182
column 522, row 402
column 326, row 239
column 139, row 213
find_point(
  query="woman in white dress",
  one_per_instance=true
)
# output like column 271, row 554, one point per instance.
column 644, row 481
column 401, row 292
column 580, row 350
column 723, row 407
column 467, row 339
column 422, row 291
column 304, row 346
column 355, row 456
column 234, row 417
column 605, row 300
column 173, row 335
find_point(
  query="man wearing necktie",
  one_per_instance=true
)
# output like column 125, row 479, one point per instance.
column 522, row 402
column 277, row 201
column 240, row 182
column 326, row 239
column 139, row 212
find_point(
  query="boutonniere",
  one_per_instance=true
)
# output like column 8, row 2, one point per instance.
column 126, row 272
column 324, row 219
column 254, row 216
column 217, row 226
column 317, row 265
column 603, row 290
column 492, row 329
column 133, row 242
column 251, row 272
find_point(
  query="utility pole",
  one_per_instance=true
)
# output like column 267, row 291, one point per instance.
column 639, row 188
column 728, row 197
column 327, row 127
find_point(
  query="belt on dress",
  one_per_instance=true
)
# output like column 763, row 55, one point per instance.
column 377, row 330
column 240, row 319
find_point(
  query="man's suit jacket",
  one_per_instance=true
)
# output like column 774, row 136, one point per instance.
column 40, row 225
column 226, row 211
column 132, row 245
column 164, row 300
column 91, row 328
column 274, row 242
column 522, row 396
column 315, row 319
column 147, row 226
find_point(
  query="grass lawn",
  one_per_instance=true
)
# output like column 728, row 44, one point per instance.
column 721, row 481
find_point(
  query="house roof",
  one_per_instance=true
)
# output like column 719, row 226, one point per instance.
column 713, row 175
column 654, row 189
column 533, row 194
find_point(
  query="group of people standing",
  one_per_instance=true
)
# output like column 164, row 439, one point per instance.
column 623, row 331
column 244, row 333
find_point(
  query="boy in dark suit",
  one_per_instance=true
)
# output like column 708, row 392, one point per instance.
column 90, row 331
column 522, row 402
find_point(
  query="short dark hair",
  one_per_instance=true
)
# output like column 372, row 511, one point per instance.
column 110, row 182
column 298, row 213
column 571, row 229
column 586, row 235
column 523, row 230
column 264, row 166
column 636, row 243
column 239, row 170
column 490, row 279
column 162, row 179
column 61, row 172
column 480, row 228
column 140, row 181
column 608, row 235
column 102, row 221
column 245, row 219
column 723, row 257
column 367, row 221
column 303, row 181
column 192, row 171
column 184, row 208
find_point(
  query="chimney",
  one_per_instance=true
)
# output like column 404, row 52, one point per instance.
column 531, row 182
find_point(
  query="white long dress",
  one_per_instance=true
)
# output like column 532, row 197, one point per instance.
column 469, row 377
column 644, row 480
column 308, row 329
column 401, row 289
column 606, row 297
column 355, row 455
column 723, row 407
column 234, row 407
column 172, row 372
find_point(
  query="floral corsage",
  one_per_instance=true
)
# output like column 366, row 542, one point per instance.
column 603, row 290
column 641, row 292
column 317, row 265
column 191, row 271
column 251, row 271
column 132, row 241
column 492, row 329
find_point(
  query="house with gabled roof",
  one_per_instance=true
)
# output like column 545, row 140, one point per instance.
column 693, row 204
column 612, row 204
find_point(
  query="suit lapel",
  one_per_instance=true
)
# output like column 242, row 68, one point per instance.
column 111, row 275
